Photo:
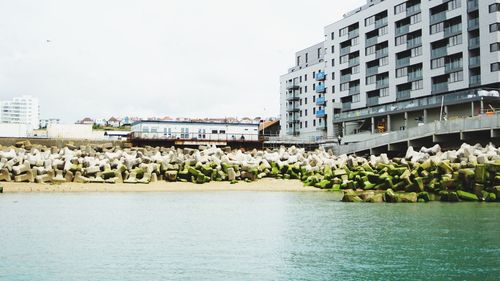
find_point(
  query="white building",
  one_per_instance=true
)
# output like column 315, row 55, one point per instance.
column 200, row 131
column 44, row 123
column 394, row 64
column 20, row 110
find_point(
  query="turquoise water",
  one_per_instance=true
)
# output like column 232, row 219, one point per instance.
column 243, row 236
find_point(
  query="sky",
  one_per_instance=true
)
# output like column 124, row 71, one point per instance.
column 147, row 58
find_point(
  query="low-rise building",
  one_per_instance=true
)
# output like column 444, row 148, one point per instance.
column 21, row 110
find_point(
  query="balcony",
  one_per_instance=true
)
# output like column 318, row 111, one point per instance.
column 473, row 24
column 321, row 127
column 453, row 66
column 354, row 90
column 416, row 75
column 402, row 30
column 371, row 70
column 346, row 106
column 412, row 10
column 403, row 62
column 354, row 61
column 439, row 87
column 383, row 83
column 345, row 50
column 321, row 113
column 382, row 53
column 321, row 101
column 403, row 95
column 474, row 43
column 292, row 119
column 439, row 52
column 371, row 41
column 292, row 131
column 453, row 30
column 354, row 33
column 475, row 80
column 292, row 108
column 474, row 61
column 345, row 78
column 441, row 16
column 415, row 42
column 292, row 97
column 320, row 76
column 292, row 85
column 372, row 101
column 320, row 88
column 472, row 5
column 381, row 22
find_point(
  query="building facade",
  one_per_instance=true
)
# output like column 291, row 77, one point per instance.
column 394, row 64
column 21, row 110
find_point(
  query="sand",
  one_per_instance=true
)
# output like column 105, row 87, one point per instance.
column 260, row 185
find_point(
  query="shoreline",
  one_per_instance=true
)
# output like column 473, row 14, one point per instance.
column 266, row 184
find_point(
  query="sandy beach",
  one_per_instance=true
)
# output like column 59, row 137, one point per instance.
column 260, row 185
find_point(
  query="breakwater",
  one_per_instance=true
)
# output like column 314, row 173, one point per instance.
column 471, row 173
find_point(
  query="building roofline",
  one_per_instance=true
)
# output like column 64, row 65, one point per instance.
column 194, row 122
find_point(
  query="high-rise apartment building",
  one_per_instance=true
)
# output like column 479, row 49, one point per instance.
column 20, row 110
column 394, row 64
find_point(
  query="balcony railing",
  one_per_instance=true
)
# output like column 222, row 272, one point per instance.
column 381, row 22
column 292, row 85
column 440, row 87
column 452, row 30
column 453, row 66
column 382, row 83
column 354, row 90
column 475, row 61
column 354, row 61
column 371, row 70
column 345, row 78
column 414, row 42
column 382, row 53
column 439, row 52
column 345, row 50
column 292, row 107
column 320, row 113
column 354, row 33
column 472, row 5
column 474, row 43
column 441, row 16
column 475, row 80
column 320, row 88
column 402, row 30
column 371, row 41
column 292, row 97
column 320, row 76
column 473, row 24
column 403, row 95
column 372, row 101
column 320, row 101
column 411, row 10
column 346, row 106
column 416, row 75
column 403, row 62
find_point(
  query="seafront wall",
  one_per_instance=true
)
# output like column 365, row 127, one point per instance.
column 471, row 173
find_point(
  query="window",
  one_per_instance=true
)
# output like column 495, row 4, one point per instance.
column 202, row 133
column 384, row 61
column 453, row 4
column 333, row 49
column 298, row 60
column 185, row 133
column 384, row 92
column 305, row 78
column 344, row 87
column 333, row 89
column 456, row 76
column 370, row 50
column 494, row 7
column 314, row 98
column 307, row 57
column 400, row 8
column 370, row 21
column 314, row 123
column 371, row 80
column 401, row 40
column 355, row 41
column 305, row 89
column 495, row 27
column 355, row 69
column 383, row 30
column 355, row 98
column 333, row 62
column 305, row 112
column 319, row 53
column 305, row 100
column 417, row 85
column 145, row 129
column 438, row 27
column 455, row 40
column 300, row 79
column 495, row 47
column 495, row 67
column 305, row 124
column 333, row 75
column 343, row 31
column 314, row 110
column 437, row 63
column 416, row 18
column 332, row 35
column 415, row 52
column 401, row 72
column 344, row 59
column 214, row 131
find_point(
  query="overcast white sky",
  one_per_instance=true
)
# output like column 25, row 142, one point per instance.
column 102, row 58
